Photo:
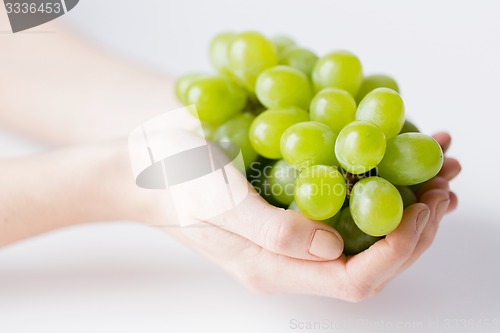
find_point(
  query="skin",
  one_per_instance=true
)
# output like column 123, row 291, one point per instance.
column 267, row 249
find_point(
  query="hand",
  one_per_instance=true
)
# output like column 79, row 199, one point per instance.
column 278, row 251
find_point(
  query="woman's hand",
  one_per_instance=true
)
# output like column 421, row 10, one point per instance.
column 273, row 250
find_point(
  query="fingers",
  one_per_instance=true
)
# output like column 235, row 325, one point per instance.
column 262, row 270
column 438, row 202
column 352, row 280
column 281, row 231
column 453, row 202
column 440, row 182
column 451, row 168
column 360, row 276
column 373, row 267
column 435, row 183
column 444, row 140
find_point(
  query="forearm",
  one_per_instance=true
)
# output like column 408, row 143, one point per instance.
column 68, row 187
column 58, row 88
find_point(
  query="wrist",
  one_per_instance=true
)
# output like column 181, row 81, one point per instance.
column 124, row 199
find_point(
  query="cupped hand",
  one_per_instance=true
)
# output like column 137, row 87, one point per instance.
column 272, row 250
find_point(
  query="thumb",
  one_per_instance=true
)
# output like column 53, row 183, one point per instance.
column 284, row 232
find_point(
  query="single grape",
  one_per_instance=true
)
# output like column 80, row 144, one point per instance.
column 355, row 240
column 409, row 127
column 299, row 58
column 411, row 158
column 333, row 107
column 308, row 143
column 282, row 43
column 182, row 84
column 283, row 86
column 267, row 128
column 282, row 181
column 249, row 54
column 340, row 69
column 360, row 147
column 217, row 98
column 218, row 51
column 408, row 196
column 383, row 107
column 376, row 206
column 235, row 131
column 320, row 192
column 374, row 81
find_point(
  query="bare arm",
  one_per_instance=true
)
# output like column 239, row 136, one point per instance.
column 59, row 88
column 69, row 186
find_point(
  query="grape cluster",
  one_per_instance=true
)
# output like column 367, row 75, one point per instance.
column 316, row 134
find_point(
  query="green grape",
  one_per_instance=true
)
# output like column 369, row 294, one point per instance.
column 408, row 196
column 376, row 206
column 374, row 81
column 282, row 43
column 355, row 240
column 411, row 158
column 340, row 69
column 205, row 130
column 409, row 127
column 235, row 131
column 299, row 58
column 218, row 51
column 217, row 98
column 308, row 143
column 249, row 54
column 182, row 84
column 333, row 107
column 282, row 181
column 360, row 147
column 267, row 128
column 383, row 107
column 283, row 86
column 320, row 192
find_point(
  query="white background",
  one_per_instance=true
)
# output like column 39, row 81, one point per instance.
column 127, row 278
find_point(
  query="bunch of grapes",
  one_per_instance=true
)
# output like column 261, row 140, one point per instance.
column 316, row 135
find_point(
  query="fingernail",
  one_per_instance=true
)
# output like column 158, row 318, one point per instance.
column 326, row 245
column 422, row 219
column 441, row 209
